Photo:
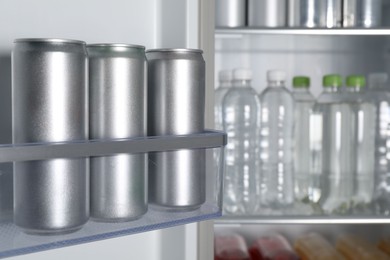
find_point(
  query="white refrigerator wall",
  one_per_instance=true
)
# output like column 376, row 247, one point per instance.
column 152, row 23
column 312, row 56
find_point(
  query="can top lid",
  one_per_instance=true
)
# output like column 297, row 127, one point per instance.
column 116, row 46
column 176, row 50
column 49, row 40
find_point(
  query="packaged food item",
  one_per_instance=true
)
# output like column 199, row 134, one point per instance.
column 356, row 248
column 275, row 247
column 384, row 245
column 313, row 246
column 230, row 247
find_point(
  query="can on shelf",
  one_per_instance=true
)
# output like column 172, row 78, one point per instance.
column 176, row 106
column 230, row 13
column 117, row 90
column 267, row 13
column 350, row 13
column 305, row 13
column 50, row 104
column 370, row 13
column 333, row 13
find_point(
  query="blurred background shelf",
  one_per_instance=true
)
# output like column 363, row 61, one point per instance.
column 302, row 31
column 244, row 220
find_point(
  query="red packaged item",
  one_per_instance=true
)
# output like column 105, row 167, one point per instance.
column 274, row 247
column 230, row 247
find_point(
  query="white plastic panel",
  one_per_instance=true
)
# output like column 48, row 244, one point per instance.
column 308, row 55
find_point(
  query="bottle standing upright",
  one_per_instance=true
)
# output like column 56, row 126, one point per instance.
column 225, row 81
column 241, row 108
column 364, row 120
column 379, row 95
column 276, row 143
column 332, row 140
column 304, row 102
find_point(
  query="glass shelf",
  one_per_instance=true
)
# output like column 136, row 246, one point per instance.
column 301, row 31
column 13, row 241
column 244, row 220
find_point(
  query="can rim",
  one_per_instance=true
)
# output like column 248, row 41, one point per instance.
column 176, row 50
column 115, row 45
column 49, row 40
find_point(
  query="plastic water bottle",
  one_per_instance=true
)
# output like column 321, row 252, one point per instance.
column 225, row 81
column 276, row 143
column 379, row 95
column 241, row 108
column 364, row 146
column 333, row 143
column 304, row 102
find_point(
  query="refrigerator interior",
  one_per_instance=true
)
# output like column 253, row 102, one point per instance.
column 152, row 23
column 313, row 53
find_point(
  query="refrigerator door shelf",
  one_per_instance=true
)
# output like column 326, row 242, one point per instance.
column 209, row 144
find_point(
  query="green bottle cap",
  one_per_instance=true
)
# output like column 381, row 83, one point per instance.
column 301, row 82
column 332, row 80
column 356, row 81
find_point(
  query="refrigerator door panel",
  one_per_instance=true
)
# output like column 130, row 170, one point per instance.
column 152, row 23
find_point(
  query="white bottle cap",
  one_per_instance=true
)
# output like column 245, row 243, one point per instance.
column 242, row 74
column 377, row 79
column 225, row 75
column 276, row 75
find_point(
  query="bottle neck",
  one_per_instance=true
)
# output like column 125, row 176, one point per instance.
column 332, row 89
column 354, row 89
column 274, row 83
column 241, row 83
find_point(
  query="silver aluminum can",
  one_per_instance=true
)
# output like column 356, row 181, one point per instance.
column 370, row 13
column 267, row 13
column 50, row 104
column 333, row 13
column 117, row 85
column 350, row 12
column 305, row 13
column 176, row 106
column 230, row 13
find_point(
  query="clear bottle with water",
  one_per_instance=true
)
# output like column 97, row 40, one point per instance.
column 225, row 81
column 304, row 102
column 241, row 108
column 379, row 95
column 333, row 146
column 364, row 145
column 276, row 143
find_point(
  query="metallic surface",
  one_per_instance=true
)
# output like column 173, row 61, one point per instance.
column 317, row 31
column 333, row 13
column 176, row 103
column 370, row 13
column 49, row 79
column 39, row 151
column 267, row 13
column 350, row 13
column 117, row 110
column 305, row 13
column 230, row 13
